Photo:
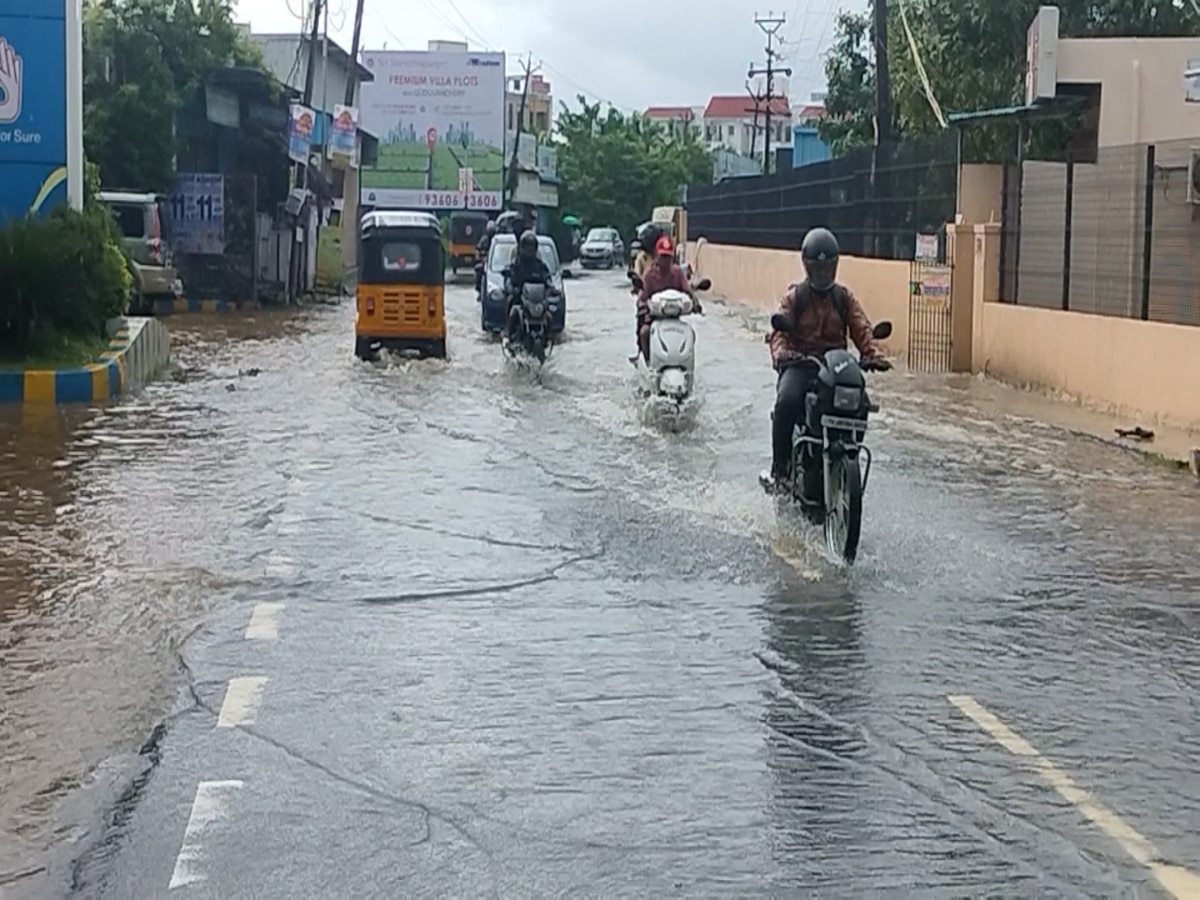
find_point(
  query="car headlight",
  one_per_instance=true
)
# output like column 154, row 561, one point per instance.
column 847, row 399
column 496, row 294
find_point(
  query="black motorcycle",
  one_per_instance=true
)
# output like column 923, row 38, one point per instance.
column 531, row 320
column 830, row 441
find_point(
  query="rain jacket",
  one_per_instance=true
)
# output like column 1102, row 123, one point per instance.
column 818, row 325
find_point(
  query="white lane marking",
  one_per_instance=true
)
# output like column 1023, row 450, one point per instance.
column 279, row 565
column 264, row 622
column 208, row 808
column 1175, row 880
column 242, row 697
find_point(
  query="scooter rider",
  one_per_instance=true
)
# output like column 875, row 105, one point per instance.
column 820, row 312
column 526, row 268
column 662, row 275
column 481, row 254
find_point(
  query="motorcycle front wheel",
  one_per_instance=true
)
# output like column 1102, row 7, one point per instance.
column 843, row 518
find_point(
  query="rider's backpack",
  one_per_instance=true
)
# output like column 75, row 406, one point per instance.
column 840, row 302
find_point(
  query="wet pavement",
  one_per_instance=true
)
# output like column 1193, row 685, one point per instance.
column 439, row 629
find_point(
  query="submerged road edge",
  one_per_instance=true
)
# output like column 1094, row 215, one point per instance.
column 1179, row 882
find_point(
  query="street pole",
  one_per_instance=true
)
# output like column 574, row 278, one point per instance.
column 511, row 180
column 352, row 81
column 770, row 25
column 301, row 170
column 880, row 167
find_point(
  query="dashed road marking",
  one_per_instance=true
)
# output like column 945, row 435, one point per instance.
column 1175, row 880
column 264, row 622
column 242, row 698
column 212, row 798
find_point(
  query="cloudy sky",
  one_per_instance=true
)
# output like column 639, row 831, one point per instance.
column 630, row 53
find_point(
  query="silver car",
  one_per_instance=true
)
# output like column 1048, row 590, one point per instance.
column 602, row 248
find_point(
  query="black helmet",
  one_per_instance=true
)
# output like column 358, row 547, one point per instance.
column 819, row 252
column 528, row 245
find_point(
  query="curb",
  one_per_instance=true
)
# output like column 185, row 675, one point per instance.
column 136, row 350
column 179, row 305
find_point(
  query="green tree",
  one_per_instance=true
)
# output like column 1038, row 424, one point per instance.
column 143, row 60
column 973, row 52
column 616, row 168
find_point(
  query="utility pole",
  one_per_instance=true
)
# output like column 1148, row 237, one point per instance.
column 511, row 180
column 757, row 100
column 880, row 167
column 294, row 269
column 770, row 25
column 352, row 81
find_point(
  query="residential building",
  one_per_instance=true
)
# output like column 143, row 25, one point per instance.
column 736, row 123
column 539, row 105
column 677, row 119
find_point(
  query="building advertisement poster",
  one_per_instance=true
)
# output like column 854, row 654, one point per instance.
column 434, row 114
column 300, row 132
column 343, row 138
column 198, row 213
column 33, row 106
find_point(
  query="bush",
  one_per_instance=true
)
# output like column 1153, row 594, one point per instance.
column 61, row 276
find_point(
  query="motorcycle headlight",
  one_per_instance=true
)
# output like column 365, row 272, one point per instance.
column 847, row 399
column 536, row 310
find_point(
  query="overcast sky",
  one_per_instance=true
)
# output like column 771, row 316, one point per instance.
column 630, row 53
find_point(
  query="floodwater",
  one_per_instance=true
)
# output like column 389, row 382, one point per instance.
column 524, row 644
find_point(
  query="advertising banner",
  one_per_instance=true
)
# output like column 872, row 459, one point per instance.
column 343, row 136
column 33, row 106
column 435, row 113
column 300, row 130
column 198, row 213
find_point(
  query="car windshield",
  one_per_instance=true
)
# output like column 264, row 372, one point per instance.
column 600, row 234
column 503, row 253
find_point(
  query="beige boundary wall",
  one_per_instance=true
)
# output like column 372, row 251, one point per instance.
column 1142, row 371
column 759, row 278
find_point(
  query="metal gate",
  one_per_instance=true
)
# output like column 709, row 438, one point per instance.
column 929, row 329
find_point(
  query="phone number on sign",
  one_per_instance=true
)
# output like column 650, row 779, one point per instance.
column 452, row 200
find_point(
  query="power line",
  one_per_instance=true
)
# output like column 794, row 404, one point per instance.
column 769, row 25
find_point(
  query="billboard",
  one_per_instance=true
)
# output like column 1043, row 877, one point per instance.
column 33, row 105
column 435, row 113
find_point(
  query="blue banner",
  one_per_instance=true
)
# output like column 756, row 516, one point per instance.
column 33, row 106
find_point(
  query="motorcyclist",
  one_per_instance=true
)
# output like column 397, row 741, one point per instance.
column 663, row 274
column 482, row 249
column 527, row 267
column 820, row 312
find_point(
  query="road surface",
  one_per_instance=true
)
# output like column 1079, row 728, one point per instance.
column 438, row 630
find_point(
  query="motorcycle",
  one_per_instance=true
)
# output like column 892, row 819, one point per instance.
column 668, row 377
column 830, row 441
column 535, row 312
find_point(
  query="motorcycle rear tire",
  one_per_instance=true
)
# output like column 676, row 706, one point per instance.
column 843, row 526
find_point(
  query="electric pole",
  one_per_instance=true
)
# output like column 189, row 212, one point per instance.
column 352, row 81
column 770, row 25
column 294, row 268
column 511, row 180
column 880, row 167
column 757, row 100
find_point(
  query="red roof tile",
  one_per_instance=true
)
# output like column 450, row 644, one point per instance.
column 741, row 106
column 669, row 112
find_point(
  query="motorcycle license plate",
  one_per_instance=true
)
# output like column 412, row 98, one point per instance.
column 836, row 423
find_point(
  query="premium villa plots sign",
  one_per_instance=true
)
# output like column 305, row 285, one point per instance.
column 41, row 106
column 435, row 114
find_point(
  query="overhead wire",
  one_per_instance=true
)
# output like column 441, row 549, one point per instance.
column 920, row 67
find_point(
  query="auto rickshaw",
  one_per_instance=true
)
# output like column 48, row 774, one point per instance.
column 401, row 285
column 466, row 228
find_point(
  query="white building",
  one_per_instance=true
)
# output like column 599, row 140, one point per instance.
column 733, row 123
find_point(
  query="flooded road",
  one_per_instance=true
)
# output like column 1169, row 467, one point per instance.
column 436, row 629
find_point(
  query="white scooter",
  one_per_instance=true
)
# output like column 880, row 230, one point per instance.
column 668, row 379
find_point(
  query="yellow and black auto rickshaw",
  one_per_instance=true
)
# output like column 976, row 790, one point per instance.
column 466, row 228
column 401, row 285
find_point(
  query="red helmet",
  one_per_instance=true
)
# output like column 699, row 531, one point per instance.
column 662, row 247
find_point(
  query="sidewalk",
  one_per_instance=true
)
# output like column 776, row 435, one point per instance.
column 1173, row 446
